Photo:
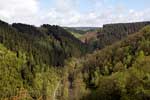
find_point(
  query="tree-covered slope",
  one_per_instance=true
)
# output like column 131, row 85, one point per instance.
column 10, row 78
column 45, row 44
column 127, row 49
column 18, row 80
column 118, row 72
column 28, row 56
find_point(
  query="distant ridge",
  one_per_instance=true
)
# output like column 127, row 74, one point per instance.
column 111, row 33
column 83, row 28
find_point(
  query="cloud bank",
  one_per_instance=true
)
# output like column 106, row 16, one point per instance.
column 68, row 13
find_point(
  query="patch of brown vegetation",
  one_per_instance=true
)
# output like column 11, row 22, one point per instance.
column 86, row 38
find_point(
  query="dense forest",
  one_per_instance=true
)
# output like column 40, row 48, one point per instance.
column 118, row 72
column 51, row 63
column 28, row 54
column 44, row 44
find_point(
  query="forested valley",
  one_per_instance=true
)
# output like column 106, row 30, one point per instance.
column 59, row 63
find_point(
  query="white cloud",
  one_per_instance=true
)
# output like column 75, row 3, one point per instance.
column 18, row 10
column 66, row 13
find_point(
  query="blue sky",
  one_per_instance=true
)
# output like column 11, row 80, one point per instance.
column 74, row 12
column 86, row 5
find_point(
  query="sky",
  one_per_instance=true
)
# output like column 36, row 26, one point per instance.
column 74, row 13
